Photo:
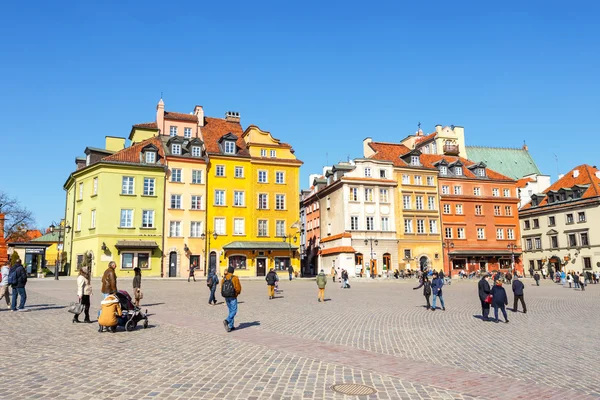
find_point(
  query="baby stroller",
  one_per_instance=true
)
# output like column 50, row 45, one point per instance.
column 131, row 314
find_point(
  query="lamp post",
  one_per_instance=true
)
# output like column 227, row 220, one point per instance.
column 512, row 247
column 208, row 234
column 288, row 239
column 371, row 241
column 448, row 244
column 67, row 228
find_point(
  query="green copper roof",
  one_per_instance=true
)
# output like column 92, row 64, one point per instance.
column 48, row 237
column 514, row 163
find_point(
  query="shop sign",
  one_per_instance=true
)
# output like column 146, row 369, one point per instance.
column 34, row 251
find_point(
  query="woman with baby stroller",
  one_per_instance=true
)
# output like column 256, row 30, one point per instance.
column 111, row 310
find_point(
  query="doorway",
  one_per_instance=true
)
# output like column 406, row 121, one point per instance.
column 213, row 262
column 374, row 268
column 423, row 263
column 172, row 264
column 483, row 266
column 387, row 262
column 261, row 266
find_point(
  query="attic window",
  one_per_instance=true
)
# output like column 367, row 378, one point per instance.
column 176, row 149
column 443, row 170
column 229, row 147
column 458, row 171
column 480, row 172
column 414, row 160
column 196, row 151
column 150, row 157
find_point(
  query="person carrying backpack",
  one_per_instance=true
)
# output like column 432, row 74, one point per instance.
column 17, row 278
column 271, row 279
column 212, row 281
column 230, row 290
column 4, row 285
column 426, row 285
column 321, row 282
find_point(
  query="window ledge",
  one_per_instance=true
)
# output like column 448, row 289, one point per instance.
column 196, row 209
column 220, row 176
column 240, row 206
column 176, row 209
column 149, row 195
column 92, row 229
column 128, row 195
column 148, row 228
column 196, row 183
column 79, row 200
column 126, row 227
column 178, row 182
column 94, row 195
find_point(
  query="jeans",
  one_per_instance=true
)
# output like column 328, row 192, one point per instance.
column 435, row 296
column 290, row 276
column 501, row 307
column 212, row 298
column 232, row 306
column 16, row 293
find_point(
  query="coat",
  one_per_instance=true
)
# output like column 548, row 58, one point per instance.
column 84, row 286
column 271, row 278
column 21, row 276
column 436, row 286
column 484, row 289
column 499, row 296
column 321, row 280
column 111, row 309
column 517, row 287
column 109, row 281
column 536, row 276
column 426, row 285
column 137, row 282
column 215, row 280
column 236, row 283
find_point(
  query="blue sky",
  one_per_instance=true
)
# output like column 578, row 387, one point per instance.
column 319, row 75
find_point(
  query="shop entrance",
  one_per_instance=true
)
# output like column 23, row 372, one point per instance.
column 261, row 266
column 172, row 264
column 33, row 263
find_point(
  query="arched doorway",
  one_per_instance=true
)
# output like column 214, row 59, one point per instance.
column 172, row 264
column 213, row 261
column 423, row 263
column 358, row 263
column 554, row 263
column 387, row 262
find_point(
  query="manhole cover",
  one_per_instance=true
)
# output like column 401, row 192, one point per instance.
column 353, row 389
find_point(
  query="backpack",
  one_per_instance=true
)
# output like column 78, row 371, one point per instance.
column 209, row 281
column 227, row 290
column 12, row 276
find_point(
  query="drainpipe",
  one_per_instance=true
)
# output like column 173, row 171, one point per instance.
column 206, row 254
column 164, row 205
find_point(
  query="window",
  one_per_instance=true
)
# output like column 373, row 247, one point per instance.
column 219, row 197
column 421, row 226
column 237, row 262
column 143, row 260
column 239, row 199
column 196, row 202
column 419, row 202
column 126, row 218
column 81, row 191
column 93, row 220
column 446, row 208
column 78, row 226
column 506, row 192
column 187, row 133
column 460, row 233
column 570, row 219
column 176, row 201
column 175, row 229
column 430, row 181
column 176, row 175
column 536, row 223
column 414, row 160
column 480, row 172
column 273, row 154
column 220, row 226
column 458, row 171
column 587, row 263
column 263, row 201
column 538, row 243
column 279, row 177
column 385, row 224
column 196, row 176
column 127, row 186
column 196, row 151
column 195, row 228
column 262, row 227
column 478, row 209
column 150, row 157
column 354, row 223
column 127, row 261
column 173, row 131
column 551, row 221
column 263, row 152
column 95, row 187
column 368, row 172
column 280, row 201
column 383, row 195
column 262, row 176
column 457, row 189
column 406, row 179
column 531, row 264
column 583, row 237
column 448, row 233
column 431, row 202
column 239, row 226
column 408, row 228
column 432, row 226
column 510, row 234
column 508, row 211
column 353, row 194
column 149, row 186
column 443, row 170
column 176, row 149
column 407, row 254
column 496, row 192
column 406, row 202
column 238, row 172
column 528, row 244
column 480, row 233
column 477, row 191
column 581, row 217
column 370, row 224
column 280, row 228
column 459, row 209
column 499, row 233
column 526, row 224
column 445, row 189
column 368, row 194
column 382, row 173
column 220, row 171
column 229, row 147
column 554, row 242
column 497, row 211
column 148, row 219
column 418, row 180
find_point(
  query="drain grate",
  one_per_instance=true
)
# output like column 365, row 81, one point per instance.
column 353, row 389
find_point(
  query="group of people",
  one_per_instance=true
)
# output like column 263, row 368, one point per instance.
column 433, row 287
column 496, row 297
column 15, row 277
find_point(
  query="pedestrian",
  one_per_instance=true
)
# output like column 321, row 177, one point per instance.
column 582, row 281
column 570, row 279
column 484, row 292
column 137, row 285
column 517, row 288
column 436, row 289
column 109, row 280
column 508, row 277
column 531, row 272
column 551, row 273
column 4, row 285
column 499, row 300
column 536, row 277
column 424, row 282
column 290, row 271
column 575, row 279
column 212, row 281
column 345, row 279
column 230, row 290
column 192, row 272
column 84, row 291
column 333, row 273
column 17, row 278
column 544, row 273
column 597, row 277
column 276, row 283
column 321, row 282
column 111, row 309
column 563, row 277
column 271, row 279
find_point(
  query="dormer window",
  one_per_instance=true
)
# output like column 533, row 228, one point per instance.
column 196, row 152
column 414, row 160
column 173, row 131
column 150, row 157
column 458, row 171
column 229, row 147
column 176, row 149
column 443, row 170
column 480, row 172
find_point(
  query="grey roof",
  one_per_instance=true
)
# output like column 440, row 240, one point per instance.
column 96, row 149
column 259, row 246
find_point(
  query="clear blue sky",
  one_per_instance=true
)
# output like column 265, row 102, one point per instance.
column 319, row 75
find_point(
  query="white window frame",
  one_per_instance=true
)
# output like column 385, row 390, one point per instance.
column 273, row 154
column 238, row 172
column 175, row 229
column 495, row 192
column 128, row 185
column 95, row 186
column 263, row 152
column 448, row 233
column 175, row 202
column 279, row 177
column 370, row 223
column 148, row 219
column 239, row 226
column 433, row 226
column 431, row 203
column 445, row 189
column 149, row 186
column 506, row 192
column 430, row 181
column 406, row 179
column 265, row 223
column 280, row 202
column 385, row 224
column 383, row 196
column 177, row 175
column 220, row 170
column 368, row 195
column 176, row 149
column 93, row 219
column 408, row 226
column 477, row 191
column 127, row 214
column 443, row 170
column 458, row 171
column 460, row 233
column 237, row 196
column 499, row 234
column 279, row 228
column 406, row 202
column 353, row 194
column 263, row 176
column 220, row 225
column 354, row 223
column 367, row 172
column 418, row 180
column 220, row 195
column 419, row 205
column 481, row 233
column 457, row 190
column 196, row 229
column 263, row 205
column 81, row 191
column 421, row 226
column 187, row 133
column 459, row 209
column 172, row 130
column 196, row 202
column 510, row 233
column 446, row 209
column 229, row 147
column 196, row 176
column 196, row 151
column 150, row 157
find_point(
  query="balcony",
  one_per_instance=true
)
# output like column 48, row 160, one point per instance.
column 451, row 149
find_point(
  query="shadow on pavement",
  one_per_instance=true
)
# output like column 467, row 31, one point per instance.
column 151, row 305
column 244, row 325
column 30, row 308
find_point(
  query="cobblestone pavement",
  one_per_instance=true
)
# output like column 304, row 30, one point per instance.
column 377, row 334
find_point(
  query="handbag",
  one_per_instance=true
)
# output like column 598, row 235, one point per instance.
column 139, row 294
column 488, row 299
column 77, row 308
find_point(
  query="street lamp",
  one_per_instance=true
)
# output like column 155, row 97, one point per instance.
column 367, row 241
column 448, row 244
column 208, row 234
column 67, row 228
column 512, row 247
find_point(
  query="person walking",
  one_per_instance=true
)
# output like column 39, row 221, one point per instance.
column 544, row 273
column 271, row 278
column 4, row 285
column 484, row 291
column 499, row 300
column 517, row 288
column 531, row 272
column 436, row 289
column 17, row 277
column 570, row 279
column 536, row 277
column 426, row 285
column 290, row 271
column 137, row 285
column 109, row 280
column 230, row 290
column 508, row 277
column 575, row 279
column 84, row 291
column 212, row 281
column 563, row 277
column 582, row 281
column 321, row 282
column 333, row 273
column 192, row 272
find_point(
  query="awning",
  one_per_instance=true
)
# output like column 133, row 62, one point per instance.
column 338, row 250
column 491, row 253
column 259, row 246
column 136, row 244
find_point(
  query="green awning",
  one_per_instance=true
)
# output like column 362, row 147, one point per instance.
column 259, row 246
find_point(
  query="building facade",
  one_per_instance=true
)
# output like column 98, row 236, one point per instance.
column 311, row 212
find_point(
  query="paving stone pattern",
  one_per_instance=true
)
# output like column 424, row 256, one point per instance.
column 376, row 334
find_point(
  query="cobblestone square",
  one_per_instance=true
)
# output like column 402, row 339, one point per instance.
column 377, row 333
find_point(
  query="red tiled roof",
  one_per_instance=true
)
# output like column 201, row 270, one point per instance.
column 429, row 159
column 587, row 176
column 389, row 152
column 422, row 139
column 334, row 237
column 521, row 183
column 131, row 154
column 147, row 125
column 215, row 128
column 336, row 250
column 24, row 237
column 180, row 116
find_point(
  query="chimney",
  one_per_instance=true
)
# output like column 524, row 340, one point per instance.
column 3, row 246
column 367, row 150
column 160, row 116
column 199, row 112
column 575, row 173
column 232, row 116
column 114, row 143
column 598, row 174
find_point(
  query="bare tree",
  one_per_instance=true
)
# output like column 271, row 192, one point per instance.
column 18, row 218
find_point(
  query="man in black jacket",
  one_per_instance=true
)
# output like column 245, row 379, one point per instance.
column 484, row 291
column 271, row 278
column 18, row 286
column 517, row 287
